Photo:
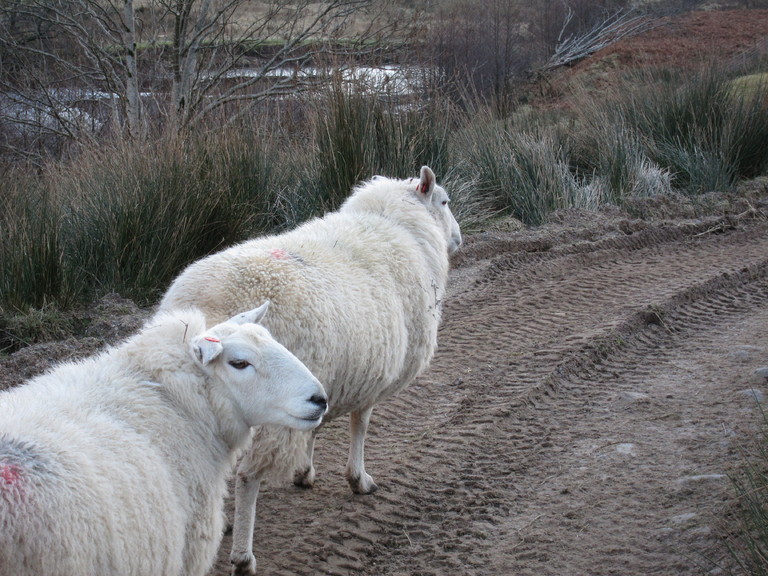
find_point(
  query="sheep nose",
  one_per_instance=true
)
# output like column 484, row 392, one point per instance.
column 320, row 401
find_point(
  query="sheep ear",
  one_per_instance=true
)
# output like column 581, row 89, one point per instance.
column 252, row 316
column 206, row 348
column 426, row 184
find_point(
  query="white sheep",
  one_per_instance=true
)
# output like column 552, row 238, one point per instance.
column 118, row 464
column 356, row 296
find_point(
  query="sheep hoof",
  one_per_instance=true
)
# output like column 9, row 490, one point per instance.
column 304, row 478
column 362, row 484
column 243, row 564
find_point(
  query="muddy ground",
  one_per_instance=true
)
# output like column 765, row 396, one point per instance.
column 595, row 384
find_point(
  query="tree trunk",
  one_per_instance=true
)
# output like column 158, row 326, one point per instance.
column 133, row 107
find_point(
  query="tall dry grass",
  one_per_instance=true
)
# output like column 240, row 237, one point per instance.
column 700, row 129
column 129, row 217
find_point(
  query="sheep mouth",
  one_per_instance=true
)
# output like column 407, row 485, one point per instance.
column 303, row 424
column 316, row 418
column 309, row 421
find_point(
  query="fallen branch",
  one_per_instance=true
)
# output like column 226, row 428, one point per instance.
column 616, row 26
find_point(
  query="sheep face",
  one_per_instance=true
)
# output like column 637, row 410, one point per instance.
column 266, row 382
column 437, row 201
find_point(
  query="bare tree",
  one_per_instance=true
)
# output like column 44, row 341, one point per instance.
column 207, row 55
column 196, row 57
column 480, row 53
column 59, row 55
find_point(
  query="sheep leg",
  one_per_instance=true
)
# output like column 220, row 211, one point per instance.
column 359, row 480
column 305, row 478
column 246, row 492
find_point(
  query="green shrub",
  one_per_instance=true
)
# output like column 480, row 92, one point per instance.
column 31, row 267
column 525, row 170
column 358, row 135
column 137, row 215
column 705, row 134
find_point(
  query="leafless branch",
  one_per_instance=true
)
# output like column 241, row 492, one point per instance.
column 196, row 50
column 613, row 28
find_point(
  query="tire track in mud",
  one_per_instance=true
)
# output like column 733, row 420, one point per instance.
column 582, row 384
column 545, row 335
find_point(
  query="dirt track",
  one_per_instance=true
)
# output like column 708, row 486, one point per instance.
column 588, row 398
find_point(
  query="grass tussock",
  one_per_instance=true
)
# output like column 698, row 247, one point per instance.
column 31, row 267
column 127, row 217
column 132, row 217
column 357, row 136
column 701, row 129
column 526, row 173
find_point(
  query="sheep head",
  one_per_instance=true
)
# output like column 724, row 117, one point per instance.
column 265, row 381
column 436, row 199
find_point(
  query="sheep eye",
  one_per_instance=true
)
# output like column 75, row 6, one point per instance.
column 239, row 364
column 445, row 202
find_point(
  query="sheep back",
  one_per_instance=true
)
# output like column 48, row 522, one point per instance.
column 102, row 473
column 60, row 485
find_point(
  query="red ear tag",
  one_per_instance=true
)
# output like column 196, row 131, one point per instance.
column 212, row 339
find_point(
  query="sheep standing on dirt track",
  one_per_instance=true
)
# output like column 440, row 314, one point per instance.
column 357, row 297
column 117, row 465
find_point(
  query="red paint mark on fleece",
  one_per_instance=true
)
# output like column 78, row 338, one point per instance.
column 212, row 339
column 10, row 475
column 279, row 254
